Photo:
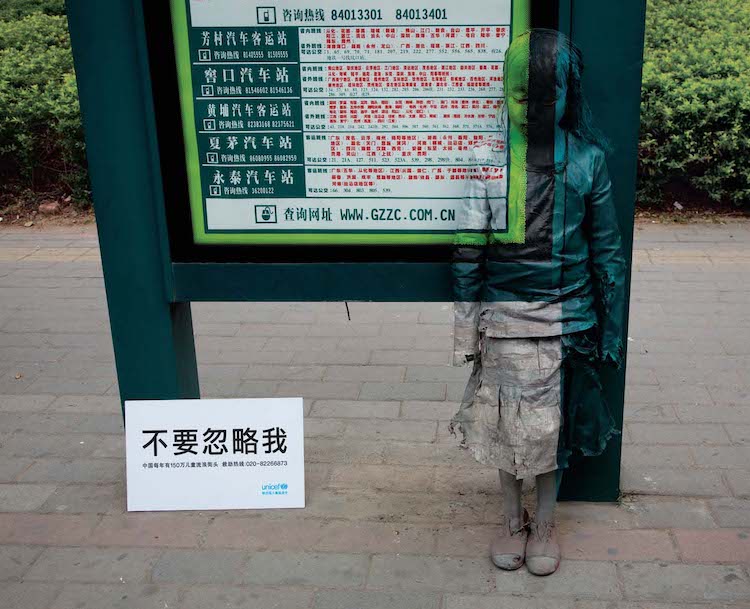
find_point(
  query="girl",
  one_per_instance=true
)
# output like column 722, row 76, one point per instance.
column 539, row 292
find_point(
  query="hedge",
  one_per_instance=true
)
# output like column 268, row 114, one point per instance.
column 695, row 119
column 695, row 133
column 41, row 137
column 16, row 9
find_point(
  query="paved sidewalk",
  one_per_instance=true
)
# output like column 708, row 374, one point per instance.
column 397, row 516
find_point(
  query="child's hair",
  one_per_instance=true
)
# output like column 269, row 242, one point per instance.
column 552, row 53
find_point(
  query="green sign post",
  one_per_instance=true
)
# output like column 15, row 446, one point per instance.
column 244, row 151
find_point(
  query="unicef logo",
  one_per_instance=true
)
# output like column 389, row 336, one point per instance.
column 279, row 488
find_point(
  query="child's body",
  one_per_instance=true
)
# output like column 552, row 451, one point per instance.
column 539, row 292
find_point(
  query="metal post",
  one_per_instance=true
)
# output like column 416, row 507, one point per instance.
column 611, row 37
column 152, row 336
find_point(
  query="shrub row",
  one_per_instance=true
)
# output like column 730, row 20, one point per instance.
column 695, row 131
column 41, row 137
column 695, row 118
column 11, row 10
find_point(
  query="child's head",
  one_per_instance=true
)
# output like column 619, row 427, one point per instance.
column 543, row 85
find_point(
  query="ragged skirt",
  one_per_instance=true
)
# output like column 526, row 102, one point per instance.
column 531, row 403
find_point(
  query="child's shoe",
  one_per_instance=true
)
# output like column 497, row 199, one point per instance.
column 509, row 547
column 542, row 549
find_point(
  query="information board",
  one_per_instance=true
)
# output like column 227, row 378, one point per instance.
column 335, row 122
column 214, row 454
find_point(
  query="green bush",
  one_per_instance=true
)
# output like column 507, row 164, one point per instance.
column 695, row 120
column 16, row 9
column 41, row 137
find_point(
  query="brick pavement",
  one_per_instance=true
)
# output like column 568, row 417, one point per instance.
column 397, row 516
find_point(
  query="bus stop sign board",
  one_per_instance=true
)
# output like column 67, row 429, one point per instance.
column 339, row 123
column 308, row 151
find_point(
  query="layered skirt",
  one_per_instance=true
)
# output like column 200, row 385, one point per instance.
column 531, row 403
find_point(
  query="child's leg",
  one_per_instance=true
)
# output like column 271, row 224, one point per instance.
column 511, row 489
column 542, row 549
column 546, row 497
column 508, row 548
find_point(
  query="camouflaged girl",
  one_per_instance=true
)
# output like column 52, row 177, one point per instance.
column 539, row 292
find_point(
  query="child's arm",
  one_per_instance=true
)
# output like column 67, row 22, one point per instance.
column 470, row 245
column 608, row 264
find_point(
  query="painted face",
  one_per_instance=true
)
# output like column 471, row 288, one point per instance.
column 561, row 102
column 535, row 98
column 517, row 85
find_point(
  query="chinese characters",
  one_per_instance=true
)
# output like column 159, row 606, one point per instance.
column 244, row 441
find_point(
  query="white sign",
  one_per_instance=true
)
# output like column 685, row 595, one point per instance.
column 215, row 454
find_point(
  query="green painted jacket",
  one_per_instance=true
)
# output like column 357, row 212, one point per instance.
column 560, row 273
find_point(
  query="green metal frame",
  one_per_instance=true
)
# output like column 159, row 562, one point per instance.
column 149, row 295
column 152, row 333
column 610, row 34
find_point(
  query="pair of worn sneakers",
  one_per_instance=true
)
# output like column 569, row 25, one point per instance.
column 534, row 543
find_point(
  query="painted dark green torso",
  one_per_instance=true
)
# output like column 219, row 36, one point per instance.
column 571, row 257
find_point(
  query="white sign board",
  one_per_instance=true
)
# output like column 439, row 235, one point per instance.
column 215, row 454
